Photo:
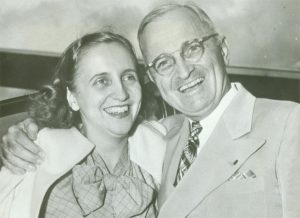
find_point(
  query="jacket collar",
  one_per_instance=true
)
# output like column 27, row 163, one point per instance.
column 238, row 115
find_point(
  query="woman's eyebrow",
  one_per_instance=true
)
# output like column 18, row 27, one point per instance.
column 97, row 75
column 129, row 70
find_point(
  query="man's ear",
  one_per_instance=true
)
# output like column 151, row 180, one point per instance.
column 150, row 76
column 72, row 101
column 225, row 50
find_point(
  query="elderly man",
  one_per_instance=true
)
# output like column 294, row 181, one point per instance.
column 248, row 149
column 229, row 154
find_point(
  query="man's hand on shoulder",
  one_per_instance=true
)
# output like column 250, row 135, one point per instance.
column 18, row 151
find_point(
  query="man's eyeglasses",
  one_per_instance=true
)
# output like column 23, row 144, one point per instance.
column 191, row 51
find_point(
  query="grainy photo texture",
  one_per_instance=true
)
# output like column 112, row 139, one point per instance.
column 150, row 109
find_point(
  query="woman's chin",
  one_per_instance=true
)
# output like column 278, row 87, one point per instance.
column 121, row 131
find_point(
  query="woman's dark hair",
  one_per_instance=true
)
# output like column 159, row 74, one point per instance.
column 50, row 107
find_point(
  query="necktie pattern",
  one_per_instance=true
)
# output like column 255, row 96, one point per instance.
column 189, row 152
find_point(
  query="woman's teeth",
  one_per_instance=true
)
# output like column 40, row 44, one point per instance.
column 191, row 84
column 117, row 109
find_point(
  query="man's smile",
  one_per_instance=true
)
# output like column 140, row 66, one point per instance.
column 190, row 85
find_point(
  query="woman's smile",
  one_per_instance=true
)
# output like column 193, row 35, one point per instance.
column 118, row 111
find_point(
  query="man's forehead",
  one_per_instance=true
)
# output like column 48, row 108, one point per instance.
column 167, row 33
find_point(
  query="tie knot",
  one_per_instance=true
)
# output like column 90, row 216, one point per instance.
column 196, row 127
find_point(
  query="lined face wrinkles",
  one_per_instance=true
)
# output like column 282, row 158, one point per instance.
column 165, row 35
column 195, row 89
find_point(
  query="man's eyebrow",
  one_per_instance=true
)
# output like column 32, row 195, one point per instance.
column 162, row 55
column 158, row 57
column 188, row 42
column 180, row 47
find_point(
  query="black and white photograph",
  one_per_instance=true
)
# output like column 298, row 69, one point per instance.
column 149, row 109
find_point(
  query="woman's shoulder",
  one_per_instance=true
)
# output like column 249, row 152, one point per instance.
column 59, row 143
column 163, row 126
column 148, row 133
column 50, row 135
column 147, row 147
column 172, row 122
column 152, row 126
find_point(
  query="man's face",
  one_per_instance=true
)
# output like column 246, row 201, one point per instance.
column 193, row 87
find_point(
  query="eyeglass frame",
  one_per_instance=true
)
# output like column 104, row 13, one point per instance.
column 201, row 42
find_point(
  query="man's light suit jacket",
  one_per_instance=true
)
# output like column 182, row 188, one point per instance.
column 249, row 167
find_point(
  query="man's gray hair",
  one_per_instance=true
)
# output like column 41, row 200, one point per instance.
column 163, row 9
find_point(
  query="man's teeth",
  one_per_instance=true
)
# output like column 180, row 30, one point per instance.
column 191, row 84
column 117, row 109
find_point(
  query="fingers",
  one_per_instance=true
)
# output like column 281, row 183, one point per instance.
column 16, row 164
column 15, row 151
column 13, row 169
column 30, row 127
column 19, row 152
column 18, row 141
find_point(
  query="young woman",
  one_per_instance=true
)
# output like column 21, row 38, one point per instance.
column 97, row 163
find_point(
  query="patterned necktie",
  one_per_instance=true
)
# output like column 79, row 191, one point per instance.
column 189, row 152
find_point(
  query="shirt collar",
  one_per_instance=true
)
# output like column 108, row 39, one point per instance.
column 212, row 119
column 95, row 159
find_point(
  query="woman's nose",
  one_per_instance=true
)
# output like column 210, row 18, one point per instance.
column 120, row 92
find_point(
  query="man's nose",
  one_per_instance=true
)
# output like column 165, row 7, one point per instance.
column 183, row 69
column 120, row 91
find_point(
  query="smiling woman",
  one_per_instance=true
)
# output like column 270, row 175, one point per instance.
column 95, row 73
column 91, row 106
column 106, row 89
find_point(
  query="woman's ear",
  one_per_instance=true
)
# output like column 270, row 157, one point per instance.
column 225, row 50
column 72, row 101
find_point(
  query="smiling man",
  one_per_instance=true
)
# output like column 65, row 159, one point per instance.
column 229, row 154
column 174, row 42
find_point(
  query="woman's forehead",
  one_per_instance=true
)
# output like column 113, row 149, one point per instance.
column 105, row 57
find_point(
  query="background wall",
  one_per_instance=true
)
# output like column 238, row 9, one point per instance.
column 260, row 33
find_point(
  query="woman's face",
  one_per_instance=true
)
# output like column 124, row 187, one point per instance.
column 107, row 90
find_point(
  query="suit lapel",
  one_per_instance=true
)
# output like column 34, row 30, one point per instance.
column 177, row 138
column 238, row 115
column 224, row 153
